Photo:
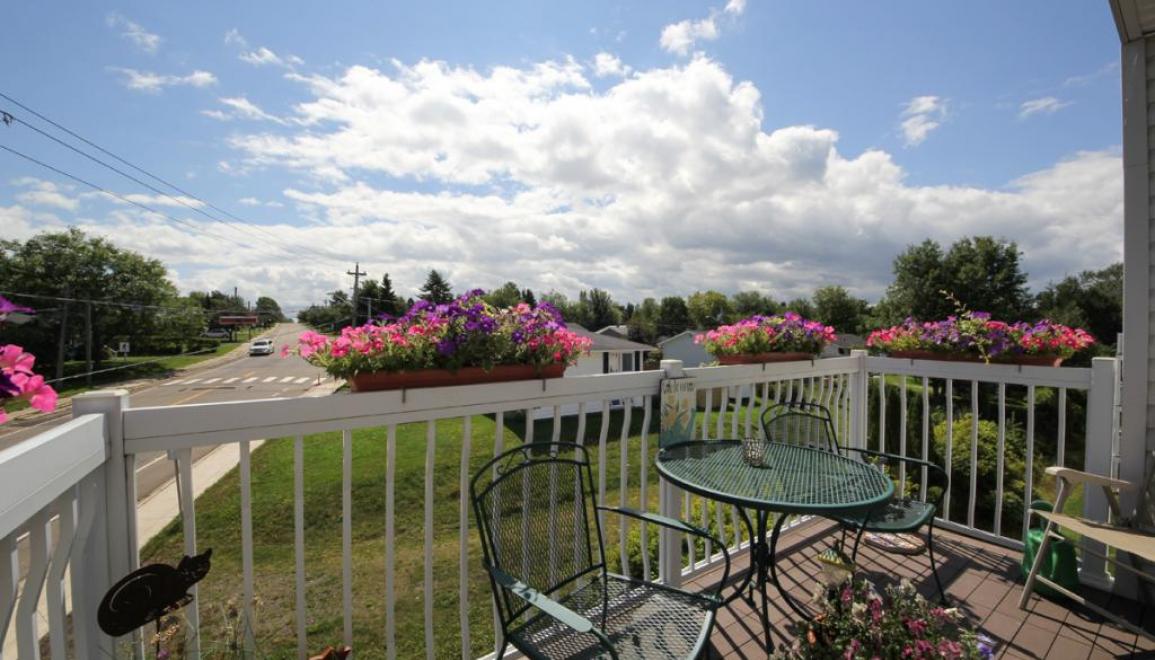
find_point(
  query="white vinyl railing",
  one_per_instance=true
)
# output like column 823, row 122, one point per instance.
column 50, row 493
column 600, row 411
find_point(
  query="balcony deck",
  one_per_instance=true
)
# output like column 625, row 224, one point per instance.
column 981, row 578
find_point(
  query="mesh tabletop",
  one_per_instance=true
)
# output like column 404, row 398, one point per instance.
column 793, row 479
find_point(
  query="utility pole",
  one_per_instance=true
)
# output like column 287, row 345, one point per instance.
column 60, row 346
column 88, row 341
column 357, row 274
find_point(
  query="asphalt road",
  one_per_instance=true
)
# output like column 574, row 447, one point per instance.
column 249, row 377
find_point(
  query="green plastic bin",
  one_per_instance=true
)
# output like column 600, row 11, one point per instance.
column 1060, row 566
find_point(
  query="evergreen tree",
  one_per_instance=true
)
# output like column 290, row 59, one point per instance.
column 528, row 297
column 436, row 289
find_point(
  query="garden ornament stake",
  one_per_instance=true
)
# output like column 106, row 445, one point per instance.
column 149, row 593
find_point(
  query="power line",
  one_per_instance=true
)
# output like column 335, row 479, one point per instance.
column 244, row 224
column 122, row 198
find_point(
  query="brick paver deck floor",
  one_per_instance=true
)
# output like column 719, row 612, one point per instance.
column 980, row 578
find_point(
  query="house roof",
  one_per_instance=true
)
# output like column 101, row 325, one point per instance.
column 1134, row 19
column 608, row 342
column 662, row 342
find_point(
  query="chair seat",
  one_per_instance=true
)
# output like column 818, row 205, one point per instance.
column 642, row 621
column 1128, row 540
column 898, row 516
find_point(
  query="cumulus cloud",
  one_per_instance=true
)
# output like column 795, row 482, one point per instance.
column 922, row 115
column 154, row 83
column 608, row 64
column 681, row 37
column 45, row 193
column 1048, row 105
column 141, row 38
column 665, row 182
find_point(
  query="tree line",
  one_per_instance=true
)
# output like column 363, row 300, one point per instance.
column 982, row 272
column 90, row 296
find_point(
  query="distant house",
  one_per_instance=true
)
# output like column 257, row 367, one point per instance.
column 843, row 345
column 608, row 354
column 682, row 347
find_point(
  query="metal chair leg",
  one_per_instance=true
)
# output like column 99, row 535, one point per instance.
column 933, row 563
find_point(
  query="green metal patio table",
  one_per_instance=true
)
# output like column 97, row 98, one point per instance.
column 791, row 480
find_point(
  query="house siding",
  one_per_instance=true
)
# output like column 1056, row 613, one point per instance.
column 1138, row 427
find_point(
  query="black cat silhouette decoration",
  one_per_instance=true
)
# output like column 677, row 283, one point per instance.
column 149, row 593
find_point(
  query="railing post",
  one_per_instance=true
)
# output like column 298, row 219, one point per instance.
column 676, row 413
column 111, row 551
column 858, row 401
column 1097, row 460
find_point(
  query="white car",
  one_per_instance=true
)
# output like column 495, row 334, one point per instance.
column 261, row 347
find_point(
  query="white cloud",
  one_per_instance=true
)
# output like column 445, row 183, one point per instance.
column 234, row 38
column 1047, row 105
column 253, row 201
column 260, row 56
column 665, row 182
column 141, row 38
column 240, row 107
column 45, row 193
column 608, row 64
column 681, row 37
column 922, row 115
column 147, row 81
column 1110, row 69
column 735, row 7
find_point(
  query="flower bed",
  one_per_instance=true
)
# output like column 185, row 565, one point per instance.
column 855, row 621
column 467, row 332
column 768, row 336
column 975, row 336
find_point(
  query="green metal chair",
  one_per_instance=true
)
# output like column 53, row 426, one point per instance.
column 811, row 425
column 545, row 555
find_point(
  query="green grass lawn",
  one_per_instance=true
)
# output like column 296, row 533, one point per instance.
column 218, row 527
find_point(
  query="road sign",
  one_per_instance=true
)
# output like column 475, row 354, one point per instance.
column 123, row 347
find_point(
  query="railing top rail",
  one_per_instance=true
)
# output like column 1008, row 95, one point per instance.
column 1077, row 378
column 173, row 427
column 34, row 473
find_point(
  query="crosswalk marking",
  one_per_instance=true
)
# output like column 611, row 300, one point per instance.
column 190, row 381
column 230, row 380
column 288, row 379
column 210, row 381
column 270, row 379
column 302, row 380
column 250, row 379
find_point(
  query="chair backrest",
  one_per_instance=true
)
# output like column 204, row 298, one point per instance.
column 800, row 423
column 535, row 514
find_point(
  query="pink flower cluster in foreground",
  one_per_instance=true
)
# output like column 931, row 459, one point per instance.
column 786, row 333
column 17, row 380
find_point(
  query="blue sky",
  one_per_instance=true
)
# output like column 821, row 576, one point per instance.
column 648, row 149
